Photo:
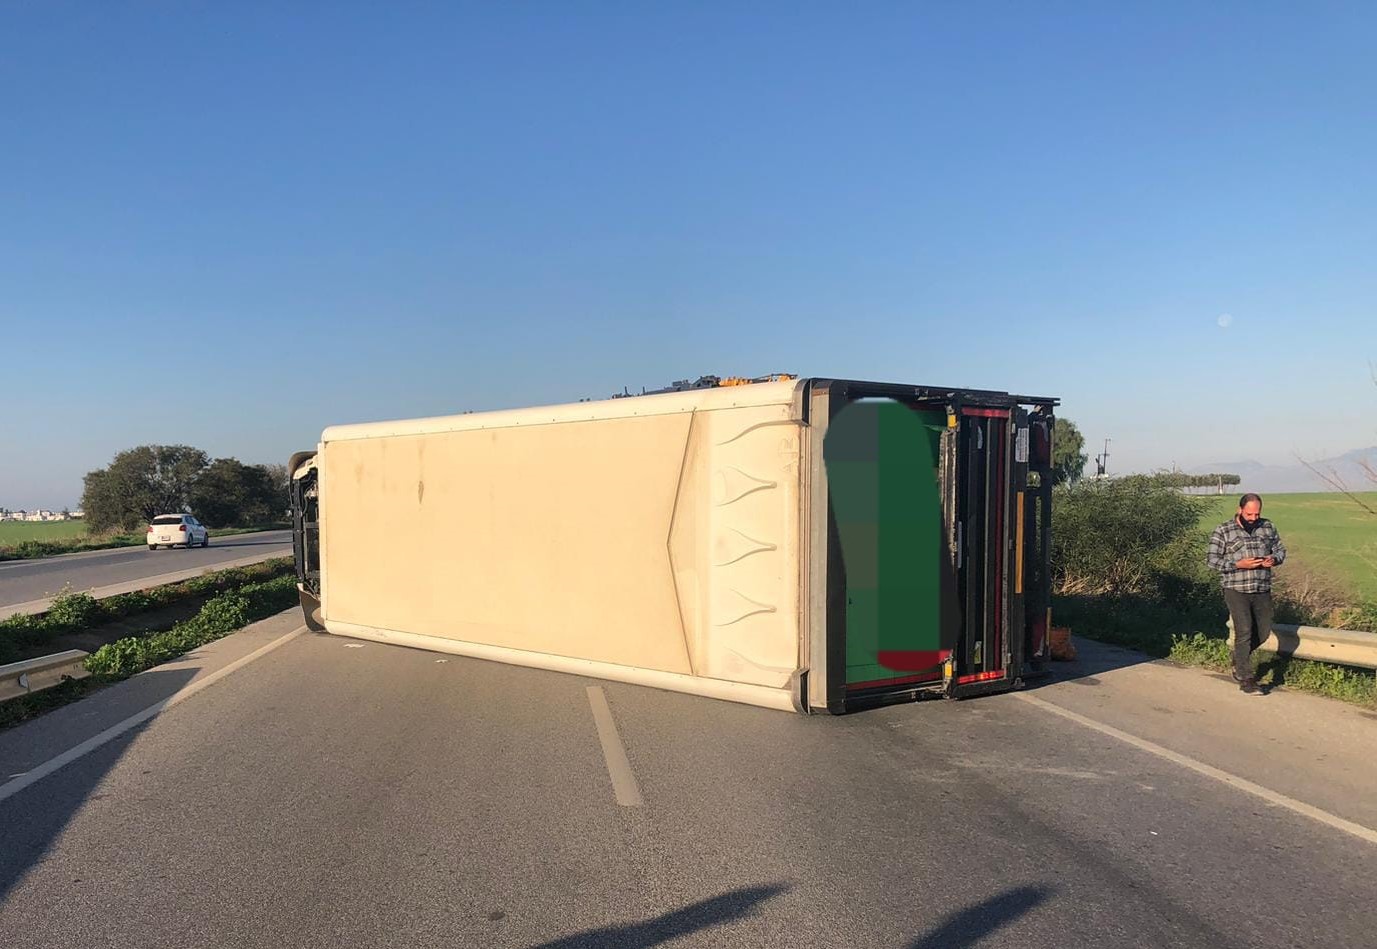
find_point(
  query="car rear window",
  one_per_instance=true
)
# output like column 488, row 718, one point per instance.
column 167, row 520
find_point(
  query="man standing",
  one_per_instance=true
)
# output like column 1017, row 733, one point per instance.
column 1244, row 550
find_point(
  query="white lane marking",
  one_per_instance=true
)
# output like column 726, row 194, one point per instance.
column 10, row 788
column 1233, row 780
column 613, row 752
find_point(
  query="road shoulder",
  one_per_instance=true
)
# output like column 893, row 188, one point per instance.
column 1303, row 746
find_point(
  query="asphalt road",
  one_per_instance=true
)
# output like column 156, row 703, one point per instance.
column 24, row 580
column 335, row 793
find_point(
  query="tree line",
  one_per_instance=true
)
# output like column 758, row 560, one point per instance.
column 1179, row 479
column 143, row 482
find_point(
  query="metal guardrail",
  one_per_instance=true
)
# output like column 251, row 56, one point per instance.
column 1346, row 647
column 34, row 675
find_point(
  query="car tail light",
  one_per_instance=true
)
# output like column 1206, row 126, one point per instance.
column 150, row 528
column 182, row 528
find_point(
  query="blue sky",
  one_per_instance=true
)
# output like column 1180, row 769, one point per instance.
column 338, row 212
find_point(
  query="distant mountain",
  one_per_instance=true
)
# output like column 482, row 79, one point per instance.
column 1285, row 479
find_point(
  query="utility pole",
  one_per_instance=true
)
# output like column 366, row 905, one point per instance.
column 1102, row 462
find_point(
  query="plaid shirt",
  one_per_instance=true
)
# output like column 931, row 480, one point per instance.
column 1230, row 543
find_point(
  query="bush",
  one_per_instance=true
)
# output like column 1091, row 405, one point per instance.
column 1130, row 535
column 1197, row 649
column 1362, row 617
column 73, row 611
column 119, row 659
column 225, row 612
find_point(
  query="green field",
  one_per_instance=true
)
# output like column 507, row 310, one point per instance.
column 1327, row 534
column 16, row 532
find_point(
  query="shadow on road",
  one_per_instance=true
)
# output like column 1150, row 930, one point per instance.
column 653, row 932
column 1092, row 659
column 32, row 820
column 969, row 926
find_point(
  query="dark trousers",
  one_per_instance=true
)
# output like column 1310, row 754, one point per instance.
column 1252, row 616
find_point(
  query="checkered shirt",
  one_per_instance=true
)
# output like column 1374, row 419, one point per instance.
column 1230, row 543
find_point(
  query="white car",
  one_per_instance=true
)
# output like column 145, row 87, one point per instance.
column 177, row 530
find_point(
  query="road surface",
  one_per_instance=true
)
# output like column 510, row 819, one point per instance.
column 337, row 793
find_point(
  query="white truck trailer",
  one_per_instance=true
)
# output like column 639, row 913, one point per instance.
column 806, row 544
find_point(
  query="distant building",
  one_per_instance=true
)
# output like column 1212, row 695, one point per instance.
column 42, row 515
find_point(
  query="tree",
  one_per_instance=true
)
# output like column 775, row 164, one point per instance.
column 1068, row 452
column 230, row 493
column 140, row 484
column 144, row 482
column 281, row 480
column 1179, row 479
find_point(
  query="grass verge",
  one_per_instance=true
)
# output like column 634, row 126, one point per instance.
column 22, row 637
column 1196, row 635
column 52, row 547
column 227, row 611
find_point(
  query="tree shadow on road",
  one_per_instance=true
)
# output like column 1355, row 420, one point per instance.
column 34, row 817
column 961, row 929
column 969, row 926
column 704, row 914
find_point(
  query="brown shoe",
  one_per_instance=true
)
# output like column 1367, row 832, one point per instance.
column 1248, row 686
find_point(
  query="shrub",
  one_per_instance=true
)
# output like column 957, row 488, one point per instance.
column 1130, row 535
column 73, row 611
column 1197, row 649
column 1362, row 617
column 225, row 612
column 119, row 659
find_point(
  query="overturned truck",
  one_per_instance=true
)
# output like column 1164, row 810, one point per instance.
column 807, row 544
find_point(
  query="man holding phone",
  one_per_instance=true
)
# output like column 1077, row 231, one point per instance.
column 1244, row 550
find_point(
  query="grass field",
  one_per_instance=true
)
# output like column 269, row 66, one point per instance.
column 15, row 532
column 1324, row 533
